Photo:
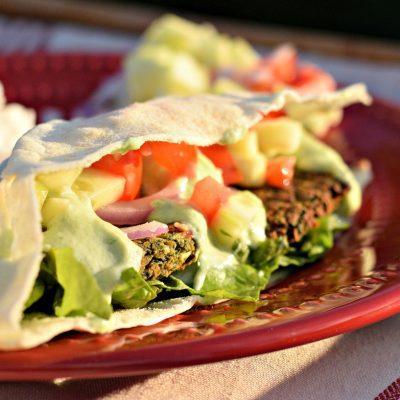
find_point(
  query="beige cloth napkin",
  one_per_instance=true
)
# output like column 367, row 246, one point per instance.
column 354, row 366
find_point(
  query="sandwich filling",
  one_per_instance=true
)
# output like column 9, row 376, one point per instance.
column 128, row 218
column 214, row 221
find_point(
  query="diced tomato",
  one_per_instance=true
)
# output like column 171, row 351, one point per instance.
column 208, row 197
column 280, row 171
column 275, row 114
column 222, row 158
column 272, row 73
column 128, row 165
column 282, row 69
column 145, row 149
column 176, row 158
column 283, row 63
column 313, row 80
column 258, row 79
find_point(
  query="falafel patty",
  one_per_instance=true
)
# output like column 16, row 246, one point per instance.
column 294, row 211
column 167, row 253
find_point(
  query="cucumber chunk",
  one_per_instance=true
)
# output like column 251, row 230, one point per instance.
column 279, row 136
column 60, row 181
column 253, row 170
column 101, row 187
column 245, row 147
column 250, row 161
column 240, row 222
column 156, row 70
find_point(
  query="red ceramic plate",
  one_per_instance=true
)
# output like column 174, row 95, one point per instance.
column 356, row 284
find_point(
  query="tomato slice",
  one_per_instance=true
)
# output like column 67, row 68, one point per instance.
column 176, row 158
column 280, row 171
column 128, row 165
column 223, row 159
column 208, row 197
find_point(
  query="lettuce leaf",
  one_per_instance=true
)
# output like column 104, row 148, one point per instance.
column 316, row 243
column 66, row 287
column 36, row 293
column 133, row 291
column 240, row 282
column 80, row 292
column 273, row 254
column 266, row 257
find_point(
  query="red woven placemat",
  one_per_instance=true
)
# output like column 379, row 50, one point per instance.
column 56, row 81
column 392, row 392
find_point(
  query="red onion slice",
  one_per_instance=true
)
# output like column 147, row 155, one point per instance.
column 136, row 211
column 147, row 230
